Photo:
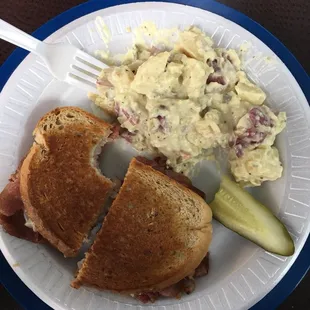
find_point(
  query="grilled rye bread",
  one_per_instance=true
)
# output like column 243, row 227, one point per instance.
column 61, row 187
column 155, row 234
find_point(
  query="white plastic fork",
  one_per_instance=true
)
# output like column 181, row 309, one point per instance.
column 64, row 61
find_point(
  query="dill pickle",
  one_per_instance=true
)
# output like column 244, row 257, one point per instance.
column 236, row 209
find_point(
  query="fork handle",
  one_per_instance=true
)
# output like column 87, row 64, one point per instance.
column 18, row 37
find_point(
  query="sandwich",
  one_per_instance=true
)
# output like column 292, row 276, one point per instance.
column 58, row 191
column 154, row 239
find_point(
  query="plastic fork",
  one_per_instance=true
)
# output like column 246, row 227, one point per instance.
column 64, row 61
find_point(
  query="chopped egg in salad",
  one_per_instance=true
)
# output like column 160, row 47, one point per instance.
column 186, row 100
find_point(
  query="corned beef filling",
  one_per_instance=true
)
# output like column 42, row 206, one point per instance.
column 12, row 211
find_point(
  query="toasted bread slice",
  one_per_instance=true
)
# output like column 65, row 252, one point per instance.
column 61, row 187
column 155, row 234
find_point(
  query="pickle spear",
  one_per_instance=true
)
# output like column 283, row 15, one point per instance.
column 236, row 209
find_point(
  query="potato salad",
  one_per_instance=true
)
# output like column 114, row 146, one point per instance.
column 185, row 101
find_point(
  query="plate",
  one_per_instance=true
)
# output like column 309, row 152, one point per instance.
column 241, row 273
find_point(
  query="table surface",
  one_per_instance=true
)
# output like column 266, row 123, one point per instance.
column 287, row 19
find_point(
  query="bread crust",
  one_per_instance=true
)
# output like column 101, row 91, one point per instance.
column 156, row 233
column 62, row 191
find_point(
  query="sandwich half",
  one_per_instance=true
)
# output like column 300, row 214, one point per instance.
column 61, row 187
column 155, row 235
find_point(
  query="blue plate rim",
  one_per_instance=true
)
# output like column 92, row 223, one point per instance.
column 10, row 280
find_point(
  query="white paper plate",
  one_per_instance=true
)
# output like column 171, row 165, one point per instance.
column 240, row 272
